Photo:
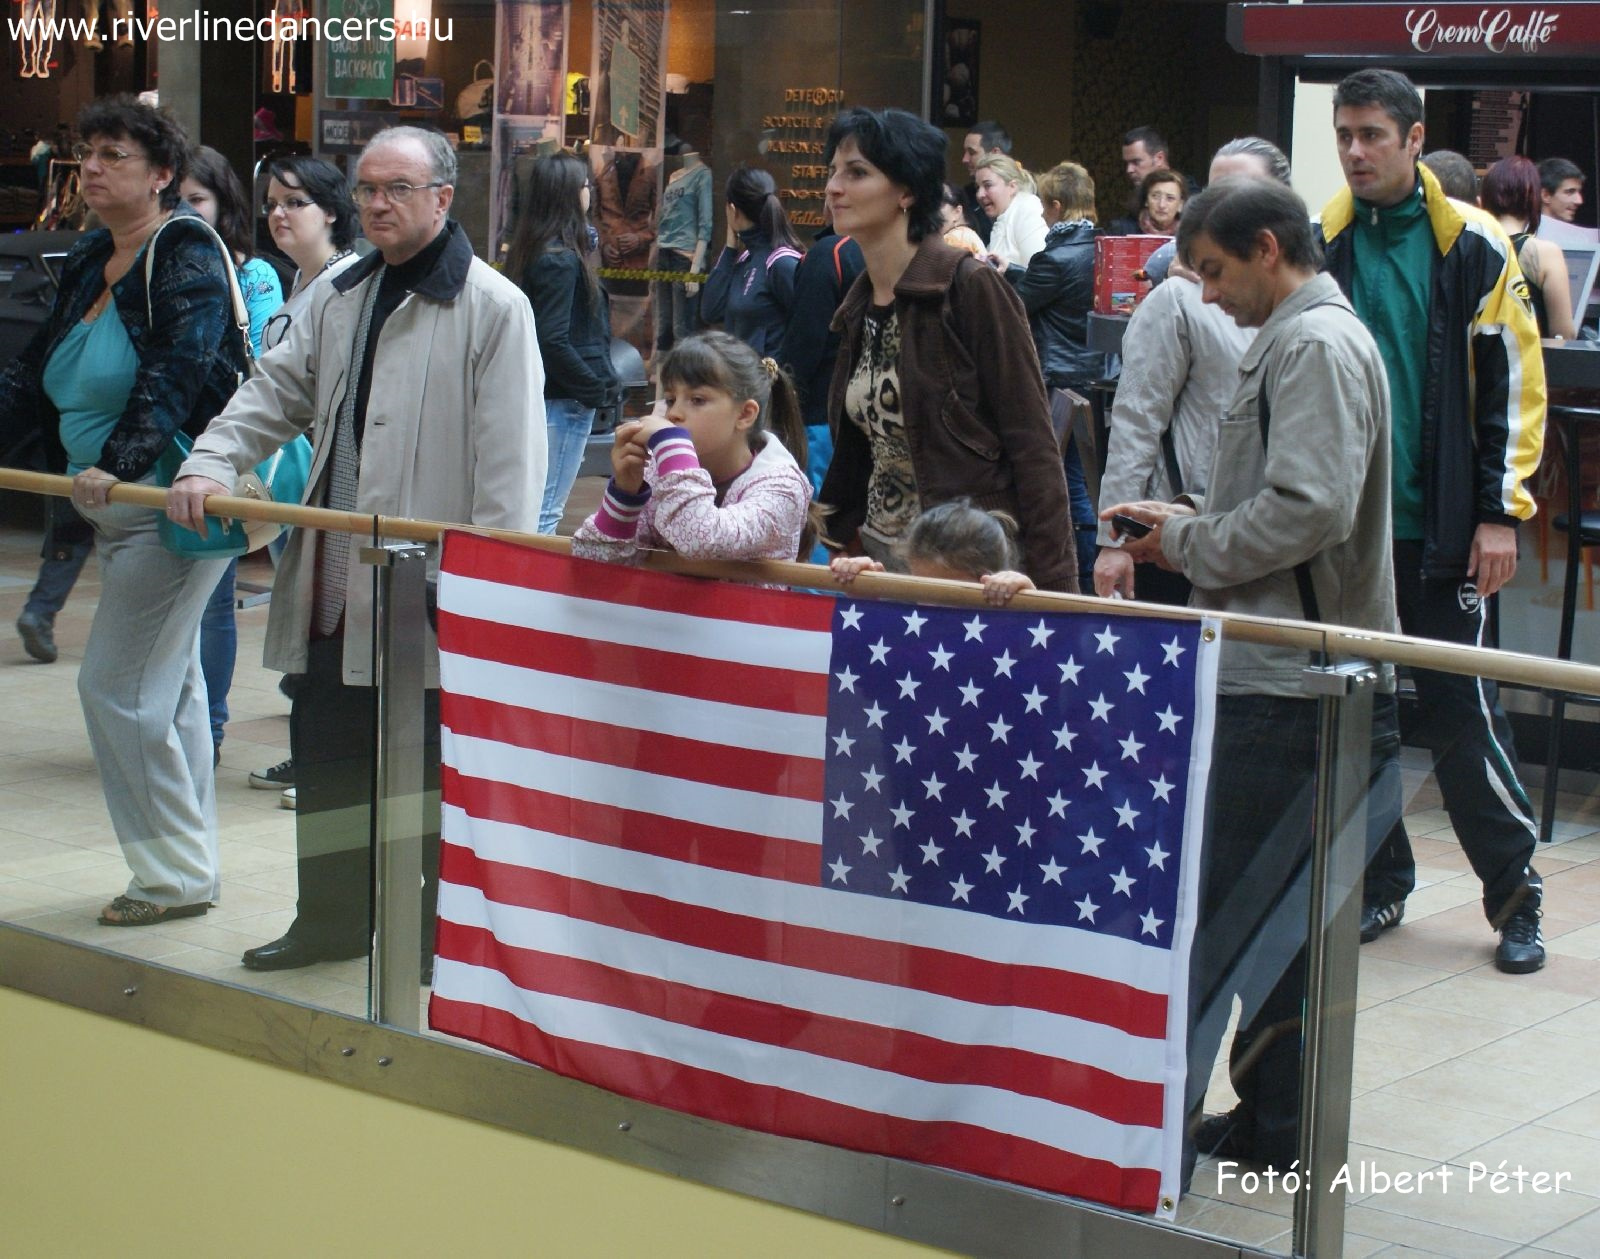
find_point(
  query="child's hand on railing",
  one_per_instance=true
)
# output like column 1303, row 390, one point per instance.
column 845, row 568
column 999, row 587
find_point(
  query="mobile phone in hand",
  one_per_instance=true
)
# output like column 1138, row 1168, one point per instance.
column 1128, row 527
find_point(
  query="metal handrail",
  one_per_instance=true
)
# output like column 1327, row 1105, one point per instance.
column 1334, row 640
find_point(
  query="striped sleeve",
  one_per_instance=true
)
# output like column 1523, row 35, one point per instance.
column 1509, row 400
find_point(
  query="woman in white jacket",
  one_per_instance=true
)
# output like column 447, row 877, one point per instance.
column 1005, row 190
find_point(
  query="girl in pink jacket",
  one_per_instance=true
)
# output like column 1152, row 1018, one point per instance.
column 717, row 472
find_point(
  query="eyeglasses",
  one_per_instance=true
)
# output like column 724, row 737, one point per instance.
column 397, row 193
column 107, row 155
column 291, row 204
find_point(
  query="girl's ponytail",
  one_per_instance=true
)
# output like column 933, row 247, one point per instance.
column 785, row 421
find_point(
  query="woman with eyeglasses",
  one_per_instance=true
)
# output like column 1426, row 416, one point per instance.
column 121, row 365
column 552, row 259
column 312, row 218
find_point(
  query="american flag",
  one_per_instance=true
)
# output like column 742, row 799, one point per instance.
column 898, row 878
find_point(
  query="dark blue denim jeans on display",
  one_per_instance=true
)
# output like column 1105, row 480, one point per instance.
column 1085, row 528
column 56, row 579
column 567, row 423
column 219, row 646
column 677, row 311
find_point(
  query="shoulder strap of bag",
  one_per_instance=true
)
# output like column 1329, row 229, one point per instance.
column 241, row 313
column 838, row 265
column 1302, row 570
column 1169, row 452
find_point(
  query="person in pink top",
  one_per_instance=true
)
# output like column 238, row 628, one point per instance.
column 718, row 472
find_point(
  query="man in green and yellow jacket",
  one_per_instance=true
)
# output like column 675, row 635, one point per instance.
column 1437, row 283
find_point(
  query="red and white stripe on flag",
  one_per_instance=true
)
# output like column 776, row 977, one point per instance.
column 632, row 895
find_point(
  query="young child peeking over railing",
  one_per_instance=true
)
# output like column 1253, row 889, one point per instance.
column 956, row 541
column 718, row 472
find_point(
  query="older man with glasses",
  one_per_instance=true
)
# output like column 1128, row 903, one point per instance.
column 421, row 372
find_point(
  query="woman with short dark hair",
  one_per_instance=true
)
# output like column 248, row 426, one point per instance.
column 313, row 220
column 1512, row 193
column 937, row 392
column 117, row 370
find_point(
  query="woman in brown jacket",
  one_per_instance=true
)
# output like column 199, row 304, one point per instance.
column 937, row 393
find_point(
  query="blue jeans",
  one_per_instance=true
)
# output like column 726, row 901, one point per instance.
column 219, row 646
column 56, row 579
column 566, row 424
column 1085, row 524
column 677, row 313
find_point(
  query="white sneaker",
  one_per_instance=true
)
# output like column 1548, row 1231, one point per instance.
column 286, row 800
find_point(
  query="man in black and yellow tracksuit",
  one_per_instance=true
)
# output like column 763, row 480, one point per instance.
column 1437, row 284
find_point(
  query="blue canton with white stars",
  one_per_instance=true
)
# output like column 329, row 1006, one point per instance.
column 1031, row 767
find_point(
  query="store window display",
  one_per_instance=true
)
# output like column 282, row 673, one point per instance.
column 683, row 236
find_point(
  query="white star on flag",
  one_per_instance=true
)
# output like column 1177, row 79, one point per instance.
column 1107, row 640
column 1070, row 671
column 974, row 628
column 1025, row 834
column 1058, row 805
column 908, row 686
column 1029, row 767
column 1086, row 908
column 875, row 715
column 942, row 658
column 902, row 815
column 847, row 680
column 937, row 721
column 841, row 806
column 1052, row 870
column 1041, row 634
column 1149, row 924
column 873, row 778
column 963, row 824
column 900, row 879
column 904, row 751
column 1017, row 899
column 1035, row 700
column 1064, row 738
column 935, row 787
column 997, row 795
column 1137, row 677
column 1002, row 664
column 930, row 853
column 1125, row 815
column 850, row 617
column 870, row 843
column 1091, row 842
column 1162, row 788
column 1102, row 708
column 998, row 729
column 840, row 870
column 1173, row 650
column 993, row 860
column 1094, row 776
column 842, row 743
column 914, row 624
column 1169, row 720
column 1131, row 747
column 959, row 889
column 880, row 652
column 971, row 693
column 1123, row 883
column 965, row 758
column 1158, row 855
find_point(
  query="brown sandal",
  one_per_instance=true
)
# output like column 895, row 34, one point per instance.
column 124, row 911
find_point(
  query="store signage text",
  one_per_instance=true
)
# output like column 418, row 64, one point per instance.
column 800, row 134
column 1495, row 31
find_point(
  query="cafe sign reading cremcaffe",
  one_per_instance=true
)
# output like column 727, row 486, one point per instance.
column 1493, row 31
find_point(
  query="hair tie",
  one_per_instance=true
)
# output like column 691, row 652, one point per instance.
column 771, row 364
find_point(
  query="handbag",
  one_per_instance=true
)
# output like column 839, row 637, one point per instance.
column 280, row 478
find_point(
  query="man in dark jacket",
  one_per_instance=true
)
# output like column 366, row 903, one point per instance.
column 985, row 138
column 810, row 345
column 1438, row 285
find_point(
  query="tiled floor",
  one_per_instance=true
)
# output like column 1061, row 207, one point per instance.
column 1455, row 1063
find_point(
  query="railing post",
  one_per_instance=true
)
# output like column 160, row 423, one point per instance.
column 1338, row 861
column 398, row 818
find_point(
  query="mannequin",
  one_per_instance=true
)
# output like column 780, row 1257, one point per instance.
column 683, row 236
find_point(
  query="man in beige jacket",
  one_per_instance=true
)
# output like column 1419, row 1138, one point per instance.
column 419, row 369
column 1294, row 523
